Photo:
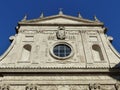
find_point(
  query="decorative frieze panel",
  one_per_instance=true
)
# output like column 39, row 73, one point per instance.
column 59, row 87
column 95, row 87
column 68, row 37
column 50, row 32
column 4, row 87
column 31, row 87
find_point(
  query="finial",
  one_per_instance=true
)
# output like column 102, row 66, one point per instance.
column 96, row 19
column 60, row 12
column 42, row 15
column 25, row 18
column 79, row 15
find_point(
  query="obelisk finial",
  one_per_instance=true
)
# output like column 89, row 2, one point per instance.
column 79, row 15
column 60, row 11
column 25, row 17
column 96, row 19
column 42, row 15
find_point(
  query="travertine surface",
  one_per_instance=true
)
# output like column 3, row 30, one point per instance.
column 88, row 67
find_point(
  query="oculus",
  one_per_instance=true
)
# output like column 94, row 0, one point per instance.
column 62, row 51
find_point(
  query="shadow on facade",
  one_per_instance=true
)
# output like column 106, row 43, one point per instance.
column 115, row 72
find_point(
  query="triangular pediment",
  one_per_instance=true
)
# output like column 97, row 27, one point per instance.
column 59, row 19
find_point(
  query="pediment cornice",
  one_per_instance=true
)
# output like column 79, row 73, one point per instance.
column 60, row 19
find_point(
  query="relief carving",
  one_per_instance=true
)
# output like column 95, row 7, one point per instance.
column 61, row 33
column 31, row 87
column 117, row 86
column 71, row 37
column 4, row 87
column 95, row 87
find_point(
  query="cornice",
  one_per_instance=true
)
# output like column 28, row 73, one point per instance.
column 49, row 24
column 46, row 70
column 33, row 21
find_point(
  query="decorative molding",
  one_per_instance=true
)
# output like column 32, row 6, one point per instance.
column 95, row 87
column 31, row 87
column 61, row 87
column 61, row 58
column 117, row 86
column 4, row 87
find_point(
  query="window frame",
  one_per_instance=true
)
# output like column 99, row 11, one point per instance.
column 58, row 57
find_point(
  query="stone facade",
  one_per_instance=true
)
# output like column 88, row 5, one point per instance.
column 60, row 52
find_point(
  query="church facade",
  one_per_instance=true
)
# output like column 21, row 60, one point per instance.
column 60, row 52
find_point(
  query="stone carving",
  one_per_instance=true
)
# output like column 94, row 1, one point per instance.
column 51, row 37
column 117, row 86
column 71, row 37
column 96, row 19
column 61, row 33
column 95, row 87
column 31, row 87
column 107, row 87
column 11, row 38
column 4, row 87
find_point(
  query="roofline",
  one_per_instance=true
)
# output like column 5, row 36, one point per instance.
column 48, row 24
column 55, row 16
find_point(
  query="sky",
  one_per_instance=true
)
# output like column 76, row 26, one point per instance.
column 12, row 11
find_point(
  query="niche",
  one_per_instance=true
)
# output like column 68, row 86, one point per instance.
column 26, row 52
column 97, row 53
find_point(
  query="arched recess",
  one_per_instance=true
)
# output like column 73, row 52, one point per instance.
column 26, row 52
column 97, row 53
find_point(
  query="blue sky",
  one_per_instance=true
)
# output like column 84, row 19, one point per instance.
column 12, row 11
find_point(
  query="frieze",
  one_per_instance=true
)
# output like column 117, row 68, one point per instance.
column 95, row 87
column 48, row 32
column 60, row 87
column 4, row 87
column 31, row 87
column 71, row 37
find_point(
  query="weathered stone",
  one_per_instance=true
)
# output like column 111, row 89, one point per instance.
column 60, row 52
